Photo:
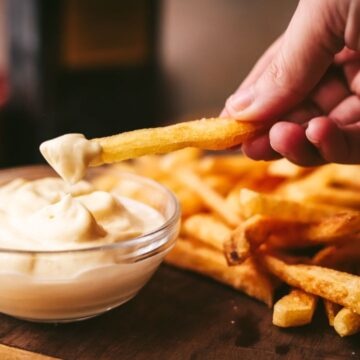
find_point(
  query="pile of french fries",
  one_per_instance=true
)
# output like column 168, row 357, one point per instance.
column 258, row 225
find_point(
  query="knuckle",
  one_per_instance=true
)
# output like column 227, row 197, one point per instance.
column 281, row 77
column 276, row 72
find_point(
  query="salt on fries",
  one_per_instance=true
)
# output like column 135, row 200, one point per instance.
column 241, row 218
column 209, row 134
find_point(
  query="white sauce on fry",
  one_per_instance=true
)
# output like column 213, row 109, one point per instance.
column 70, row 155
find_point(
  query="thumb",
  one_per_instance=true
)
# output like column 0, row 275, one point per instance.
column 313, row 37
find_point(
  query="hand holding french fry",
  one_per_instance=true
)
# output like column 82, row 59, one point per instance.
column 309, row 78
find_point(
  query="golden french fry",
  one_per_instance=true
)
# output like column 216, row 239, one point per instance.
column 237, row 247
column 209, row 134
column 280, row 233
column 322, row 186
column 125, row 166
column 232, row 165
column 220, row 183
column 295, row 309
column 210, row 197
column 331, row 256
column 207, row 229
column 337, row 226
column 336, row 197
column 253, row 203
column 336, row 286
column 347, row 322
column 346, row 176
column 331, row 309
column 295, row 189
column 287, row 169
column 186, row 156
column 189, row 201
column 232, row 200
column 260, row 229
column 149, row 166
column 325, row 257
column 247, row 277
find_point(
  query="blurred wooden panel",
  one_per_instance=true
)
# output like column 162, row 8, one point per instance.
column 98, row 35
column 208, row 47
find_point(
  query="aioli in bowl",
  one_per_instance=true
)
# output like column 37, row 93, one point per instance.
column 55, row 279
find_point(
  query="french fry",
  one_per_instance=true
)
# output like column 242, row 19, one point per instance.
column 285, row 168
column 210, row 197
column 220, row 183
column 331, row 309
column 346, row 322
column 232, row 165
column 253, row 203
column 331, row 256
column 208, row 134
column 322, row 259
column 336, row 197
column 260, row 229
column 189, row 201
column 207, row 229
column 232, row 200
column 247, row 277
column 295, row 309
column 340, row 225
column 336, row 286
column 237, row 247
column 246, row 184
column 178, row 158
column 149, row 166
column 280, row 233
column 346, row 176
column 320, row 187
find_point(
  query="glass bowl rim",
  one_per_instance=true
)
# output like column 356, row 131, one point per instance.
column 124, row 244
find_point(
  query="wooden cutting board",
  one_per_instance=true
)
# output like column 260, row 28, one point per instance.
column 178, row 315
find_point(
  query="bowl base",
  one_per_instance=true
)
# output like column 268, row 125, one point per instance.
column 58, row 321
column 76, row 319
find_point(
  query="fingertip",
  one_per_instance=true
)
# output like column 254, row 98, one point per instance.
column 289, row 140
column 238, row 104
column 224, row 113
column 260, row 149
column 323, row 133
column 318, row 129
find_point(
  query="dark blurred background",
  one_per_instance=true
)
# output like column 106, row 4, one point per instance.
column 102, row 67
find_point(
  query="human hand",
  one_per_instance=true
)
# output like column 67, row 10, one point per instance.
column 306, row 87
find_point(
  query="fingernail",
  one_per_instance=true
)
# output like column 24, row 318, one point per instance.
column 309, row 132
column 240, row 101
column 224, row 113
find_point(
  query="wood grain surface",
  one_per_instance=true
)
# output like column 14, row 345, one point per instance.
column 180, row 315
column 11, row 353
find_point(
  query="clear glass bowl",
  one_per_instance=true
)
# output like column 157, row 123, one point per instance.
column 72, row 285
